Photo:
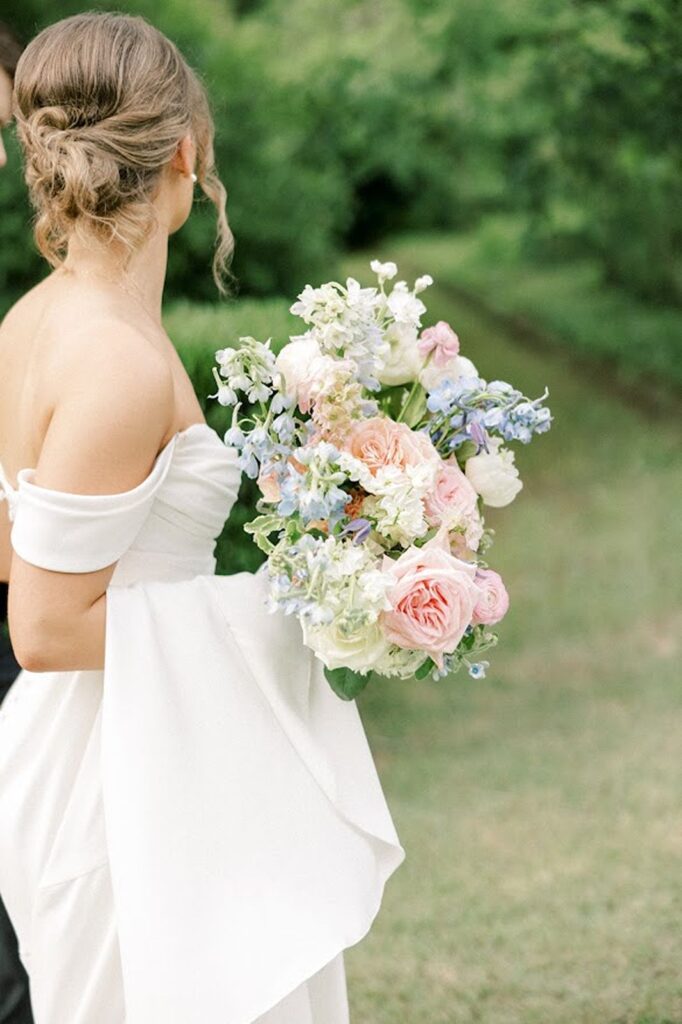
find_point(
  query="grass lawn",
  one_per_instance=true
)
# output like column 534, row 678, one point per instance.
column 541, row 808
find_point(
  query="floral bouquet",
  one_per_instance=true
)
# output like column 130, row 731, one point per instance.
column 376, row 446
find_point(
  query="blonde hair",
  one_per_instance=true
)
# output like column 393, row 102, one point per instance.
column 101, row 103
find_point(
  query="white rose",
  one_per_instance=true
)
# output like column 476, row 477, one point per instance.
column 403, row 362
column 399, row 662
column 305, row 370
column 294, row 360
column 494, row 475
column 458, row 366
column 358, row 651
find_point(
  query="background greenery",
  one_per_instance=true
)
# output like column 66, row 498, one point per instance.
column 526, row 153
column 358, row 118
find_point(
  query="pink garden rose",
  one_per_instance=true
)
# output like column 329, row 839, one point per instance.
column 441, row 340
column 381, row 442
column 452, row 498
column 494, row 600
column 453, row 502
column 432, row 598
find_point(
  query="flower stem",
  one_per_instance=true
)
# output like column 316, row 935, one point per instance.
column 413, row 399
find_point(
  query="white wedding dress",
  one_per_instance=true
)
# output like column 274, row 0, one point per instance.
column 195, row 834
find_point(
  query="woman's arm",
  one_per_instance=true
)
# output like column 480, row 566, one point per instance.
column 103, row 438
column 5, row 546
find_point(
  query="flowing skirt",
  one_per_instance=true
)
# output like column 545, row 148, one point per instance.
column 196, row 833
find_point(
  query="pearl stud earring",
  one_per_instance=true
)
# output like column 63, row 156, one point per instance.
column 194, row 177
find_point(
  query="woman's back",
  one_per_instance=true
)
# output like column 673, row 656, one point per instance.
column 23, row 349
column 66, row 336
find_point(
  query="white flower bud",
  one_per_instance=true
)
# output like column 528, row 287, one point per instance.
column 384, row 271
column 494, row 475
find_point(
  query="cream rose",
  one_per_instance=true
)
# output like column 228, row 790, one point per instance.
column 403, row 362
column 359, row 651
column 454, row 368
column 494, row 475
column 432, row 598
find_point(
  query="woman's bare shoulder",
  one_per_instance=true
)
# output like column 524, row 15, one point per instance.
column 112, row 405
column 97, row 383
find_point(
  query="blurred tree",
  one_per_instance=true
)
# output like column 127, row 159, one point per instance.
column 341, row 120
column 613, row 72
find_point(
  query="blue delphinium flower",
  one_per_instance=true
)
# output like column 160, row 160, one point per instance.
column 525, row 419
column 443, row 396
column 235, row 437
column 284, row 426
column 359, row 528
column 315, row 493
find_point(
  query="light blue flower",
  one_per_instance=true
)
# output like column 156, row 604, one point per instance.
column 284, row 426
column 234, row 437
column 280, row 402
column 443, row 396
column 501, row 389
column 259, row 392
column 248, row 464
column 360, row 529
column 225, row 395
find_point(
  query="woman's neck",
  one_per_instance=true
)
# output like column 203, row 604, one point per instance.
column 143, row 276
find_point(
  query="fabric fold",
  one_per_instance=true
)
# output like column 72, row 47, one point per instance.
column 248, row 834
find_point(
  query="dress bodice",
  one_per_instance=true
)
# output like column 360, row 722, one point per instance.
column 163, row 529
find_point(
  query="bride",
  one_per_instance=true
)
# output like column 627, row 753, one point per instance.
column 191, row 824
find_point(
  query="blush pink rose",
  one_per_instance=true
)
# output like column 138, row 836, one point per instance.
column 452, row 497
column 433, row 597
column 381, row 442
column 453, row 502
column 441, row 340
column 494, row 600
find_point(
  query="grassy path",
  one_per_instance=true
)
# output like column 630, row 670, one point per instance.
column 541, row 809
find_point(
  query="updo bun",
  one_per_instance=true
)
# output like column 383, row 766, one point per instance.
column 102, row 101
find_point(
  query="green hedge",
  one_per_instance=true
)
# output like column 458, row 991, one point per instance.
column 197, row 331
column 339, row 122
column 565, row 298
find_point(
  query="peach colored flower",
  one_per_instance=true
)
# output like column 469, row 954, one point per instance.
column 380, row 442
column 355, row 502
column 269, row 487
column 432, row 598
column 494, row 600
column 441, row 340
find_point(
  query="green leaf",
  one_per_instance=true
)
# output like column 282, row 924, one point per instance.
column 345, row 683
column 424, row 669
column 466, row 451
column 415, row 406
column 263, row 524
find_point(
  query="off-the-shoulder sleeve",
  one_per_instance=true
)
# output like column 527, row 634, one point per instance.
column 81, row 532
